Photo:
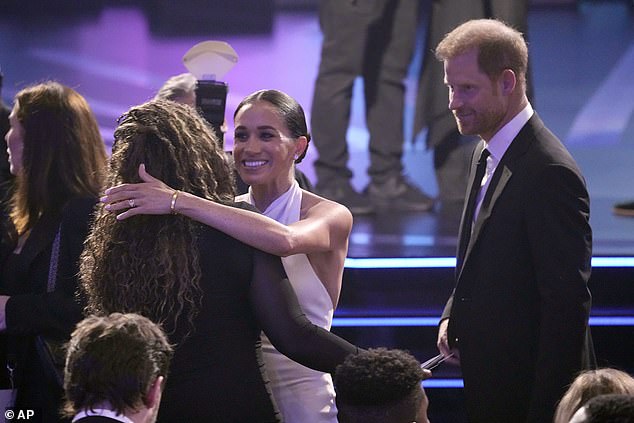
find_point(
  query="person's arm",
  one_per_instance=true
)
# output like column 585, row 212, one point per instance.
column 323, row 229
column 282, row 319
column 557, row 219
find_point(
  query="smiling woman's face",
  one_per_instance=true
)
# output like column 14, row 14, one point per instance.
column 264, row 149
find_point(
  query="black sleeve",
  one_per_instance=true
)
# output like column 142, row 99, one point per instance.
column 282, row 319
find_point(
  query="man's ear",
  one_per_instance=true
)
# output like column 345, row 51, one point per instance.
column 508, row 81
column 153, row 396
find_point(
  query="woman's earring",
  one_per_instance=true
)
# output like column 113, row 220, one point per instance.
column 296, row 156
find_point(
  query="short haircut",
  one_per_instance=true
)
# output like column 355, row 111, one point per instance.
column 379, row 385
column 177, row 86
column 589, row 384
column 114, row 359
column 610, row 408
column 499, row 47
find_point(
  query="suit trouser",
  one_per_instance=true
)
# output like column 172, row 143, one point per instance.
column 373, row 39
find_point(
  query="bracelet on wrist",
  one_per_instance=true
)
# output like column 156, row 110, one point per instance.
column 173, row 203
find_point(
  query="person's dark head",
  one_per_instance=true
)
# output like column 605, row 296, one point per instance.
column 288, row 109
column 498, row 47
column 150, row 264
column 381, row 385
column 609, row 408
column 118, row 362
column 589, row 384
column 55, row 151
column 180, row 88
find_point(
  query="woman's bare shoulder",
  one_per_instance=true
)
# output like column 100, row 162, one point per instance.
column 314, row 206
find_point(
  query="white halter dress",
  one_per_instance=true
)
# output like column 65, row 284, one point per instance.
column 303, row 395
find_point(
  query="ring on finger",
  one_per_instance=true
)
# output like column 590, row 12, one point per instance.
column 131, row 202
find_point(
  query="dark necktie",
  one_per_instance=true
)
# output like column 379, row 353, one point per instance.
column 471, row 200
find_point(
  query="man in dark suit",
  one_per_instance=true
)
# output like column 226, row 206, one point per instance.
column 115, row 369
column 517, row 320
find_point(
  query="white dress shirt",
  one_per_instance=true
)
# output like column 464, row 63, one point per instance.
column 497, row 146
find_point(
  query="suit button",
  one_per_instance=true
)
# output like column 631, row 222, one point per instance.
column 465, row 299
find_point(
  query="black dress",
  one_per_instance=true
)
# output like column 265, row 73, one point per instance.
column 217, row 373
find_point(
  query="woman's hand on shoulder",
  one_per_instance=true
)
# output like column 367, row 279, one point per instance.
column 151, row 196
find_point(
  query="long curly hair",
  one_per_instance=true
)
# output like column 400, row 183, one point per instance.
column 64, row 155
column 150, row 264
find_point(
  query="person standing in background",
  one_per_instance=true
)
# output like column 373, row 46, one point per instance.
column 373, row 39
column 517, row 320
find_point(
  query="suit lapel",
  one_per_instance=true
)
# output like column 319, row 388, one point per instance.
column 498, row 182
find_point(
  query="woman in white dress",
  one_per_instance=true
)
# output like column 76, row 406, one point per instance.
column 309, row 232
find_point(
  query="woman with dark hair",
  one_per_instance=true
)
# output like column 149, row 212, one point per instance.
column 212, row 292
column 58, row 158
column 310, row 232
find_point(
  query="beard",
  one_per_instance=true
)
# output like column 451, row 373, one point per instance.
column 484, row 122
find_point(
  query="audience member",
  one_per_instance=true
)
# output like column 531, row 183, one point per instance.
column 381, row 386
column 517, row 320
column 116, row 367
column 58, row 159
column 590, row 384
column 270, row 137
column 452, row 150
column 373, row 39
column 212, row 292
column 609, row 408
column 180, row 88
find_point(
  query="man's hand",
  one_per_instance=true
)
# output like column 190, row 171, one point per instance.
column 443, row 343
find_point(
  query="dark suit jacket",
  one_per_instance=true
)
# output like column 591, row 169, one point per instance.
column 520, row 308
column 32, row 310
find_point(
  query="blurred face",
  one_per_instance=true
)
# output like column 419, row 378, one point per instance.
column 15, row 142
column 187, row 98
column 477, row 103
column 264, row 150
